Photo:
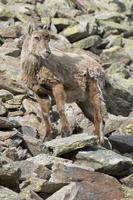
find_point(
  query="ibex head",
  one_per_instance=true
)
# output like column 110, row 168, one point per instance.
column 38, row 41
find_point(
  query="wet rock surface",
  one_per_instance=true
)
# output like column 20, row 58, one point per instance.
column 75, row 167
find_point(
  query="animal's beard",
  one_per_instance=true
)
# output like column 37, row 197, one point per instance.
column 30, row 69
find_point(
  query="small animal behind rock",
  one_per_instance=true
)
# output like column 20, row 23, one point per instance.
column 69, row 76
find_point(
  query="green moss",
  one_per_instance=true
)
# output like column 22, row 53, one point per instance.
column 128, row 129
column 71, row 30
column 22, row 17
column 5, row 11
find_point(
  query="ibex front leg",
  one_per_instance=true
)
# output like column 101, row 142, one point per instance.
column 46, row 125
column 96, row 102
column 59, row 94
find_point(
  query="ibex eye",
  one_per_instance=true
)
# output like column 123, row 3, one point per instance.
column 37, row 38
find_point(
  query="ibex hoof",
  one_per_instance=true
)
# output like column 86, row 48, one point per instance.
column 48, row 137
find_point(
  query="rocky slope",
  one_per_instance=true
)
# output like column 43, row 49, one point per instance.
column 75, row 167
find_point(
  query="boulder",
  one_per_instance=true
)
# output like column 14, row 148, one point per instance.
column 10, row 75
column 5, row 12
column 62, row 146
column 87, row 42
column 128, row 181
column 105, row 161
column 5, row 124
column 3, row 110
column 87, row 190
column 6, row 193
column 76, row 32
column 41, row 186
column 28, row 194
column 128, row 193
column 10, row 32
column 119, row 90
column 61, row 23
column 34, row 145
column 5, row 95
column 30, row 169
column 46, row 160
column 122, row 143
column 77, row 120
column 10, row 176
column 51, row 7
column 29, row 120
column 4, row 135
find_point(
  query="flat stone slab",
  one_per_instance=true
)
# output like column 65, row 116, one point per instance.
column 86, row 184
column 128, row 181
column 123, row 143
column 46, row 160
column 32, row 169
column 87, row 190
column 105, row 161
column 10, row 176
column 5, row 124
column 5, row 135
column 61, row 146
column 6, row 194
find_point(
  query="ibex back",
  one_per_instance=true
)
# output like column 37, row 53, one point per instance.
column 70, row 76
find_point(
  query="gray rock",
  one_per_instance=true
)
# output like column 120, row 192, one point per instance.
column 30, row 120
column 46, row 160
column 4, row 135
column 122, row 143
column 64, row 145
column 10, row 75
column 10, row 176
column 29, row 131
column 60, row 42
column 5, row 124
column 34, row 145
column 31, row 169
column 5, row 11
column 114, row 122
column 6, row 194
column 128, row 181
column 15, row 153
column 62, row 23
column 31, row 106
column 41, row 186
column 67, row 172
column 119, row 90
column 51, row 7
column 128, row 192
column 16, row 113
column 28, row 194
column 5, row 95
column 105, row 161
column 3, row 110
column 86, row 190
column 76, row 32
column 10, row 51
column 88, row 42
column 10, row 32
column 77, row 120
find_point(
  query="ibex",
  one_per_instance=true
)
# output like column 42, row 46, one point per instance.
column 70, row 76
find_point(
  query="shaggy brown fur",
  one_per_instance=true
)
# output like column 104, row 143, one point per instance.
column 70, row 76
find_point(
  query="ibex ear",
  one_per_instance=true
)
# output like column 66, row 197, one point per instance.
column 47, row 26
column 30, row 29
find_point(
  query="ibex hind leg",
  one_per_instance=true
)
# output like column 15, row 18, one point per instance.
column 94, row 96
